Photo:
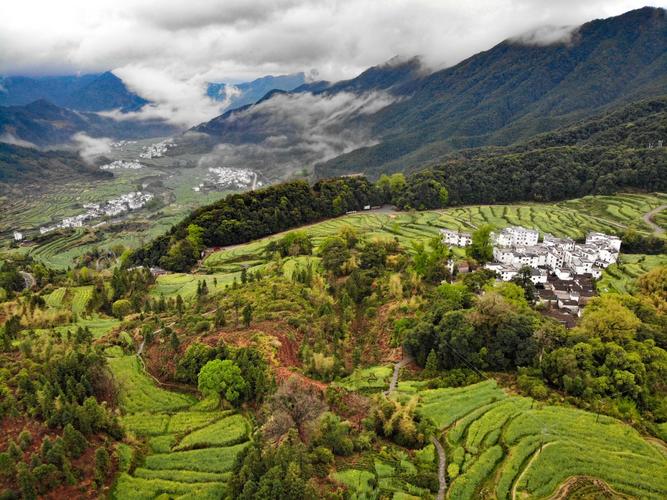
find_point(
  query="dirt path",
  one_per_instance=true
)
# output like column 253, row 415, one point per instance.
column 442, row 466
column 648, row 218
column 394, row 377
column 525, row 469
column 28, row 279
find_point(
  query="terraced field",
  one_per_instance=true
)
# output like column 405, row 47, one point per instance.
column 572, row 218
column 511, row 447
column 192, row 445
column 74, row 298
column 618, row 277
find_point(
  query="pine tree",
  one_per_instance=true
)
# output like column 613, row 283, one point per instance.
column 102, row 462
column 173, row 341
column 75, row 442
column 431, row 364
column 26, row 481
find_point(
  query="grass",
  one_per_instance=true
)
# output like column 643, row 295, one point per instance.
column 497, row 439
column 358, row 481
column 192, row 445
column 138, row 392
column 368, row 379
column 572, row 218
column 225, row 432
column 618, row 277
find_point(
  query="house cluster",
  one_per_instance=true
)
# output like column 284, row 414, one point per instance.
column 121, row 145
column 122, row 165
column 112, row 208
column 563, row 269
column 157, row 150
column 226, row 177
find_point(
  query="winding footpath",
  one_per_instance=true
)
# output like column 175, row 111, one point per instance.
column 648, row 218
column 394, row 378
column 442, row 465
column 442, row 458
column 530, row 462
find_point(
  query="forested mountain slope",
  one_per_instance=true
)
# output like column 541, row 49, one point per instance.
column 515, row 90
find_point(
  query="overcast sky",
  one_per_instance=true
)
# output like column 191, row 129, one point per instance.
column 166, row 49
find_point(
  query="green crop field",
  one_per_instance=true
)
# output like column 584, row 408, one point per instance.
column 518, row 448
column 368, row 379
column 192, row 445
column 572, row 218
column 618, row 277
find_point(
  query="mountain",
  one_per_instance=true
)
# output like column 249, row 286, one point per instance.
column 516, row 90
column 250, row 92
column 96, row 92
column 497, row 97
column 20, row 166
column 42, row 123
column 624, row 149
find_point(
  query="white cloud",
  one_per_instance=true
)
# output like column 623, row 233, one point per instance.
column 167, row 49
column 298, row 130
column 9, row 138
column 91, row 147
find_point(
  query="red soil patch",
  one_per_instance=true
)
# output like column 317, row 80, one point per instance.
column 83, row 489
column 283, row 374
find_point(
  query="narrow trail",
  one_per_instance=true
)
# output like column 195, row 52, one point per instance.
column 28, row 280
column 525, row 469
column 648, row 218
column 394, row 378
column 442, row 466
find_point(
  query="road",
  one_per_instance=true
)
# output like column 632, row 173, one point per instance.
column 442, row 466
column 394, row 378
column 648, row 218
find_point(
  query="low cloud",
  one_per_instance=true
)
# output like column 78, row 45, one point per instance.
column 9, row 138
column 290, row 132
column 547, row 35
column 91, row 148
column 166, row 50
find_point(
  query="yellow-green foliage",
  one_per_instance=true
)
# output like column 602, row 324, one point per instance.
column 225, row 432
column 376, row 377
column 138, row 392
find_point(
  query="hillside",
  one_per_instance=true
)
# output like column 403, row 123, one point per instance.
column 95, row 92
column 496, row 97
column 44, row 124
column 615, row 151
column 246, row 93
column 26, row 166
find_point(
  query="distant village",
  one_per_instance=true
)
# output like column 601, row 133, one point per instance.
column 562, row 270
column 111, row 208
column 122, row 165
column 157, row 150
column 225, row 177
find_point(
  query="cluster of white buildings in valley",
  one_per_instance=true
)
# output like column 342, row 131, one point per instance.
column 157, row 150
column 564, row 269
column 122, row 165
column 121, row 145
column 239, row 178
column 117, row 206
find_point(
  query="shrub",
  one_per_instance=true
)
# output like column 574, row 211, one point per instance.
column 75, row 442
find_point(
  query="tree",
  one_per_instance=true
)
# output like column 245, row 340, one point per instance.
column 522, row 278
column 102, row 465
column 431, row 366
column 121, row 308
column 173, row 341
column 247, row 315
column 481, row 248
column 179, row 305
column 607, row 318
column 220, row 321
column 223, row 378
column 334, row 253
column 333, row 434
column 26, row 481
column 293, row 405
column 75, row 442
column 193, row 360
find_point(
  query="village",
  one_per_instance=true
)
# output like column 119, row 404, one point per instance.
column 122, row 165
column 563, row 271
column 230, row 178
column 157, row 150
column 124, row 203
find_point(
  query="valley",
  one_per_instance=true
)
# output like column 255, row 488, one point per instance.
column 243, row 258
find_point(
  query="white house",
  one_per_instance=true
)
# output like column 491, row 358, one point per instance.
column 601, row 239
column 18, row 236
column 515, row 236
column 456, row 238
